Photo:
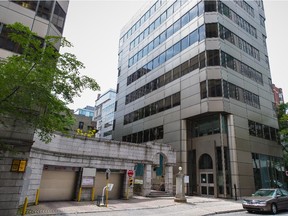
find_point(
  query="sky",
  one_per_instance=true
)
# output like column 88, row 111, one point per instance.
column 93, row 27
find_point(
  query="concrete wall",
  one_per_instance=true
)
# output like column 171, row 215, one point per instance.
column 93, row 153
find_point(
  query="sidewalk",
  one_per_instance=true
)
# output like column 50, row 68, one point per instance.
column 210, row 205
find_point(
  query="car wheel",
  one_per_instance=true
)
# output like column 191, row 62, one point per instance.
column 274, row 208
column 249, row 211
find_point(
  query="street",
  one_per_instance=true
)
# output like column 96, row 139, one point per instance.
column 252, row 214
column 183, row 210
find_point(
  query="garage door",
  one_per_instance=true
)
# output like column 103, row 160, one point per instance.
column 57, row 185
column 116, row 179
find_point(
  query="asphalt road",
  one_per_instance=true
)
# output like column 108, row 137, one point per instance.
column 252, row 214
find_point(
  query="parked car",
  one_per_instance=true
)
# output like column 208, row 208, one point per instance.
column 267, row 200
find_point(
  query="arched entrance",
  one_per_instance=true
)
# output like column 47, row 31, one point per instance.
column 206, row 175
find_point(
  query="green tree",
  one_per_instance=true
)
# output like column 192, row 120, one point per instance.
column 283, row 129
column 38, row 84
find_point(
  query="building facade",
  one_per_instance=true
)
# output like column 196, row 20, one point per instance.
column 104, row 114
column 87, row 111
column 43, row 18
column 278, row 95
column 195, row 75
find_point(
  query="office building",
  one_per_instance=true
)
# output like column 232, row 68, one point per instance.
column 87, row 111
column 278, row 95
column 43, row 18
column 104, row 114
column 195, row 75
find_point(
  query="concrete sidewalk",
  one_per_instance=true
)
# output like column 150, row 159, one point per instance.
column 204, row 206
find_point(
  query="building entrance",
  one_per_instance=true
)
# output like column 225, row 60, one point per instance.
column 207, row 183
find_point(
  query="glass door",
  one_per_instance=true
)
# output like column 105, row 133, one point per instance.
column 207, row 183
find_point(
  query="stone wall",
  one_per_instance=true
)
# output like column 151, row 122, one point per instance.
column 18, row 140
column 88, row 152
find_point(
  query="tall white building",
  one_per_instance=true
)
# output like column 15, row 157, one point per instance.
column 41, row 16
column 195, row 74
column 104, row 114
column 44, row 18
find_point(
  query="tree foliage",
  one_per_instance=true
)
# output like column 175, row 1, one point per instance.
column 38, row 84
column 283, row 123
column 283, row 130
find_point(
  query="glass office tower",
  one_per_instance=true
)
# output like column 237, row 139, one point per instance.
column 195, row 75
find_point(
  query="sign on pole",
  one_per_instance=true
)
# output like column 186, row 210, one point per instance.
column 130, row 173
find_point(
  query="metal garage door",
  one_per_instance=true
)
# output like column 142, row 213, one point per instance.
column 57, row 185
column 116, row 179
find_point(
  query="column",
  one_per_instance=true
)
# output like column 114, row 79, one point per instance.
column 169, row 179
column 146, row 180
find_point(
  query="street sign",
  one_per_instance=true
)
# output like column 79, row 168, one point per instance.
column 130, row 173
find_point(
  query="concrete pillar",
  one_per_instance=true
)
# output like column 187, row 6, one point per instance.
column 147, row 180
column 233, row 156
column 169, row 179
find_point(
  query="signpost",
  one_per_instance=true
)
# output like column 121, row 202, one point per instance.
column 108, row 172
column 130, row 173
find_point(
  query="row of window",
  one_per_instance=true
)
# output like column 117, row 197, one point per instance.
column 192, row 38
column 238, row 66
column 260, row 3
column 210, row 31
column 226, row 34
column 190, row 15
column 207, row 126
column 197, row 61
column 153, row 108
column 224, row 9
column 262, row 21
column 145, row 136
column 145, row 17
column 263, row 131
column 161, row 19
column 243, row 4
column 222, row 88
column 208, row 58
column 268, row 172
column 44, row 9
column 108, row 133
column 5, row 42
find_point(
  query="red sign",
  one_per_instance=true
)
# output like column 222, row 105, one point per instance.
column 130, row 173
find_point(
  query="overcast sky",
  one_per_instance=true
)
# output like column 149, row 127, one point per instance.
column 93, row 27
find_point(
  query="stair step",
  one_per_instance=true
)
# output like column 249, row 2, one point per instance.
column 159, row 194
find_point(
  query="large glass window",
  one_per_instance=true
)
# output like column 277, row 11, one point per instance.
column 207, row 126
column 210, row 6
column 203, row 90
column 45, row 9
column 211, row 30
column 214, row 88
column 59, row 17
column 213, row 58
column 201, row 32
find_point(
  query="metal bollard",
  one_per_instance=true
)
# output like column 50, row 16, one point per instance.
column 25, row 206
column 37, row 197
column 79, row 194
column 93, row 194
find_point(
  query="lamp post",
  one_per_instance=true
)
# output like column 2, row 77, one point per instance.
column 180, row 195
column 107, row 178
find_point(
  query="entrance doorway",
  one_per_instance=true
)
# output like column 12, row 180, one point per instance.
column 207, row 183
